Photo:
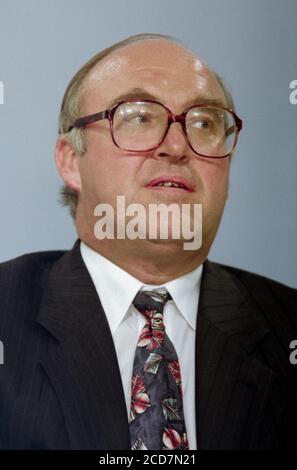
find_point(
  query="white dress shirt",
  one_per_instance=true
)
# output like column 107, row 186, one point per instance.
column 116, row 289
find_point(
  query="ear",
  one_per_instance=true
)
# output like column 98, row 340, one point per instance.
column 67, row 161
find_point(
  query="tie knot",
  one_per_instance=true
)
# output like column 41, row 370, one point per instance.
column 151, row 303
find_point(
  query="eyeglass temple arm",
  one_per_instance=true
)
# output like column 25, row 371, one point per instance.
column 89, row 119
column 232, row 129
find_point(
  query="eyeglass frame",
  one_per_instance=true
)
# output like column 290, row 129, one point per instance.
column 181, row 118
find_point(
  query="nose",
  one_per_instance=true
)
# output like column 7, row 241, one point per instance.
column 175, row 144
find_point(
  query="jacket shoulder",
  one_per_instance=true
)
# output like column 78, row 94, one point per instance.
column 19, row 276
column 28, row 263
column 251, row 278
column 268, row 294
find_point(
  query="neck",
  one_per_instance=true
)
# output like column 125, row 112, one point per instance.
column 151, row 262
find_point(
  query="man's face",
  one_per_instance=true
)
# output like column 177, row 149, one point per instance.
column 176, row 78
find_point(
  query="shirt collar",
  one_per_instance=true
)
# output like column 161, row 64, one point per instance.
column 116, row 288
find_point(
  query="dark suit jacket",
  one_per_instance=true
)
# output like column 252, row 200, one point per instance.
column 60, row 385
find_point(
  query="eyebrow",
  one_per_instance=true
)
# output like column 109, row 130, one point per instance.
column 142, row 94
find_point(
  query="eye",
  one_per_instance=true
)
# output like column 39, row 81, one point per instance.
column 137, row 118
column 206, row 120
column 142, row 118
column 201, row 124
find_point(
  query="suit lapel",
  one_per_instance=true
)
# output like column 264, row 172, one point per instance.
column 232, row 386
column 81, row 362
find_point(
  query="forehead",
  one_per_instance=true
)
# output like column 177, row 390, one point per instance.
column 167, row 71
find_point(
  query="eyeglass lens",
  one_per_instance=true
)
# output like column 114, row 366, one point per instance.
column 140, row 126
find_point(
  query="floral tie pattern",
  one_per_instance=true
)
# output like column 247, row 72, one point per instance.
column 156, row 418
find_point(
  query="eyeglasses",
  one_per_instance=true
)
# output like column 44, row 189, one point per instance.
column 140, row 126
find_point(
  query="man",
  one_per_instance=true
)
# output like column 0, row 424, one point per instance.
column 139, row 343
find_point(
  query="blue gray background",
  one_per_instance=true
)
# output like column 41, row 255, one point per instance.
column 252, row 44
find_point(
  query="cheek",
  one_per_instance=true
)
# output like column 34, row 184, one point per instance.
column 215, row 177
column 106, row 174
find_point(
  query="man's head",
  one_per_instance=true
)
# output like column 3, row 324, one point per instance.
column 96, row 171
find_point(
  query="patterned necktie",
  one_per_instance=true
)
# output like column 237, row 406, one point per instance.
column 156, row 417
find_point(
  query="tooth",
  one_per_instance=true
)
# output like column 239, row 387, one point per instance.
column 170, row 183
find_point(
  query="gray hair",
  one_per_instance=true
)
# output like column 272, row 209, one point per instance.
column 72, row 104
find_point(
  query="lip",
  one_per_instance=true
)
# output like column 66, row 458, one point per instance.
column 175, row 179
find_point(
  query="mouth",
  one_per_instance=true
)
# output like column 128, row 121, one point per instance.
column 171, row 183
